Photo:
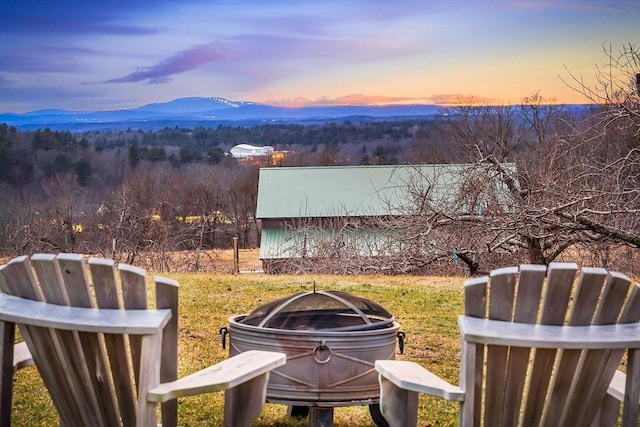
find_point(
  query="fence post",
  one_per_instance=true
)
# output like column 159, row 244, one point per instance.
column 236, row 256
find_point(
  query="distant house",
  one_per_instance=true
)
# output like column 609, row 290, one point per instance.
column 298, row 207
column 244, row 151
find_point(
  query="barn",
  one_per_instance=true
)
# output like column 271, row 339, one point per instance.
column 300, row 209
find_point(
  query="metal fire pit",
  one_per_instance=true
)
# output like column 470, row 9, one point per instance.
column 331, row 339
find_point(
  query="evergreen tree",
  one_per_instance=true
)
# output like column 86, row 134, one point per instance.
column 134, row 156
column 83, row 171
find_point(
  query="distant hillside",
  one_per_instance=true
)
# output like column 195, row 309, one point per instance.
column 205, row 112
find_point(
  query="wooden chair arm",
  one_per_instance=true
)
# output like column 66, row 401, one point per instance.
column 222, row 376
column 496, row 332
column 413, row 377
column 401, row 382
column 243, row 377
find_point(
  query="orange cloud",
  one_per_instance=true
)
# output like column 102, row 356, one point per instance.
column 353, row 99
column 444, row 99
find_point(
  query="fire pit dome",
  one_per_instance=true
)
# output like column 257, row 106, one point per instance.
column 331, row 339
column 326, row 311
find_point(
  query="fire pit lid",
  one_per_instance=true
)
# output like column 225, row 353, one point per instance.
column 320, row 310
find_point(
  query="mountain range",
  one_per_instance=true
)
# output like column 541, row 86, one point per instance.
column 206, row 112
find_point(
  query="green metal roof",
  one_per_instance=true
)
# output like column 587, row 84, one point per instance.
column 328, row 191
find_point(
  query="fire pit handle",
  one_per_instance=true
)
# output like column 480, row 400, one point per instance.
column 321, row 348
column 223, row 333
column 401, row 337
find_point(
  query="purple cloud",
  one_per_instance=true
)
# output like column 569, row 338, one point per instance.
column 181, row 62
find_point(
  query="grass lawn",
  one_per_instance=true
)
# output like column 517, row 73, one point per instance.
column 426, row 308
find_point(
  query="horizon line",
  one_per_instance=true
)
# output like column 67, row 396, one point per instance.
column 297, row 104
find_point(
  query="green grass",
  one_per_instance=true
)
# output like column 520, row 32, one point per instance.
column 427, row 309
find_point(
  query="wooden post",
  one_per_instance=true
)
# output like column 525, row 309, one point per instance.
column 236, row 256
column 7, row 334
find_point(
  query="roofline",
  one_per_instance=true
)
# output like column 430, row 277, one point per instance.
column 440, row 165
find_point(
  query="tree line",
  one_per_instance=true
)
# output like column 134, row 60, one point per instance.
column 124, row 193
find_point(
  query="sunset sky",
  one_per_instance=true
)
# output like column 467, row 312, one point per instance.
column 104, row 55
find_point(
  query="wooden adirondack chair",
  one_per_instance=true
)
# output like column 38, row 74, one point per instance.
column 539, row 348
column 105, row 357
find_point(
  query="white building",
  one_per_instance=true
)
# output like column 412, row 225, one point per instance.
column 243, row 151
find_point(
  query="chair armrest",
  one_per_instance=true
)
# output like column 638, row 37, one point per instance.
column 225, row 375
column 21, row 356
column 413, row 377
column 496, row 332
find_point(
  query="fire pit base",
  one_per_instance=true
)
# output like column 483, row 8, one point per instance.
column 323, row 417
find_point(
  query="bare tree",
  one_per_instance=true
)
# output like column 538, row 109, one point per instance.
column 577, row 184
column 616, row 90
column 44, row 218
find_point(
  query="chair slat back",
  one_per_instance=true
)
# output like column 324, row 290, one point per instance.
column 134, row 294
column 167, row 297
column 584, row 307
column 471, row 378
column 99, row 387
column 501, row 303
column 509, row 386
column 92, row 378
column 555, row 303
column 525, row 311
column 106, row 290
